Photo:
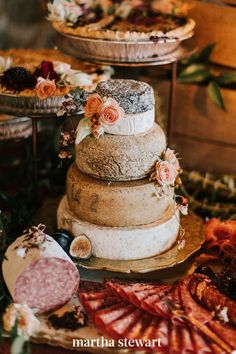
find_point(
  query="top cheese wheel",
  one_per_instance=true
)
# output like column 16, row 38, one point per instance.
column 133, row 96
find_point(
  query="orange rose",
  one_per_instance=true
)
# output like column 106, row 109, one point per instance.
column 110, row 112
column 45, row 88
column 93, row 104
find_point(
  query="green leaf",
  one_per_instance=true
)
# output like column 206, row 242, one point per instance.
column 189, row 60
column 205, row 54
column 194, row 73
column 14, row 330
column 227, row 78
column 18, row 345
column 215, row 95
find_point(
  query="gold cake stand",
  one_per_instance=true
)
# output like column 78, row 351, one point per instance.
column 193, row 238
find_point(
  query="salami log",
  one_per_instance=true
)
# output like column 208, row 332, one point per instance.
column 38, row 272
column 205, row 292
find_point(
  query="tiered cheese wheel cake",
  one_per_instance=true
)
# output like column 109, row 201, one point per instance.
column 110, row 196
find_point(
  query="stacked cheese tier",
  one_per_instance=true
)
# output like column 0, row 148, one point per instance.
column 110, row 197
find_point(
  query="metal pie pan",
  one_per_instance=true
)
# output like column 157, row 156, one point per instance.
column 29, row 106
column 118, row 50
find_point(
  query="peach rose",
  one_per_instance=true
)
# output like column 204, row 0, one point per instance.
column 93, row 104
column 45, row 87
column 110, row 112
column 170, row 156
column 165, row 173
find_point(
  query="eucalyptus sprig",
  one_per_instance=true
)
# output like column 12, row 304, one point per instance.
column 196, row 69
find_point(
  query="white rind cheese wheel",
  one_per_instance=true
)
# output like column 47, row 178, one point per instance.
column 123, row 243
column 121, row 158
column 115, row 203
column 132, row 124
column 39, row 275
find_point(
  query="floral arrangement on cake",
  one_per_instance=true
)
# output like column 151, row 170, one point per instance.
column 98, row 113
column 79, row 12
column 47, row 79
column 166, row 174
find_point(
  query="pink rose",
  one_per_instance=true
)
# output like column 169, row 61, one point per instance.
column 45, row 87
column 110, row 112
column 170, row 156
column 165, row 173
column 93, row 104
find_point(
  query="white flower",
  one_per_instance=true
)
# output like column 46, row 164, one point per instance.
column 5, row 63
column 21, row 251
column 84, row 129
column 64, row 10
column 61, row 67
column 73, row 11
column 124, row 9
column 77, row 78
column 183, row 209
column 181, row 244
column 27, row 322
column 223, row 314
column 56, row 11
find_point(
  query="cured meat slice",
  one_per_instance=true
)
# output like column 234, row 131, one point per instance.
column 147, row 296
column 201, row 344
column 94, row 300
column 103, row 318
column 138, row 297
column 125, row 289
column 205, row 292
column 90, row 286
column 120, row 327
column 175, row 339
column 187, row 340
column 38, row 272
column 92, row 295
column 191, row 308
column 139, row 328
column 161, row 331
column 160, row 305
column 98, row 304
column 226, row 333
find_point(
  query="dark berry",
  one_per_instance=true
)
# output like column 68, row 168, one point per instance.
column 63, row 238
column 17, row 79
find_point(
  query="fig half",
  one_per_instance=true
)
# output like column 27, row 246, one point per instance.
column 81, row 247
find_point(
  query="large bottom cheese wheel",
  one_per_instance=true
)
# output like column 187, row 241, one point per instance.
column 120, row 157
column 127, row 243
column 118, row 204
column 39, row 274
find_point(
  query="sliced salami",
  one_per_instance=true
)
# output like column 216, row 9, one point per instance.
column 39, row 273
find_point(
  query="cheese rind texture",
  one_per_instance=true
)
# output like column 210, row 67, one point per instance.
column 116, row 204
column 121, row 158
column 132, row 124
column 123, row 243
column 133, row 96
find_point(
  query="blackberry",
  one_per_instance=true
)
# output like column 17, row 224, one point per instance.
column 17, row 79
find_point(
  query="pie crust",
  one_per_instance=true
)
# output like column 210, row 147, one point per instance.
column 123, row 30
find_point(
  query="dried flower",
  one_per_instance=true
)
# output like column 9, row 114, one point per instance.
column 27, row 322
column 64, row 154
